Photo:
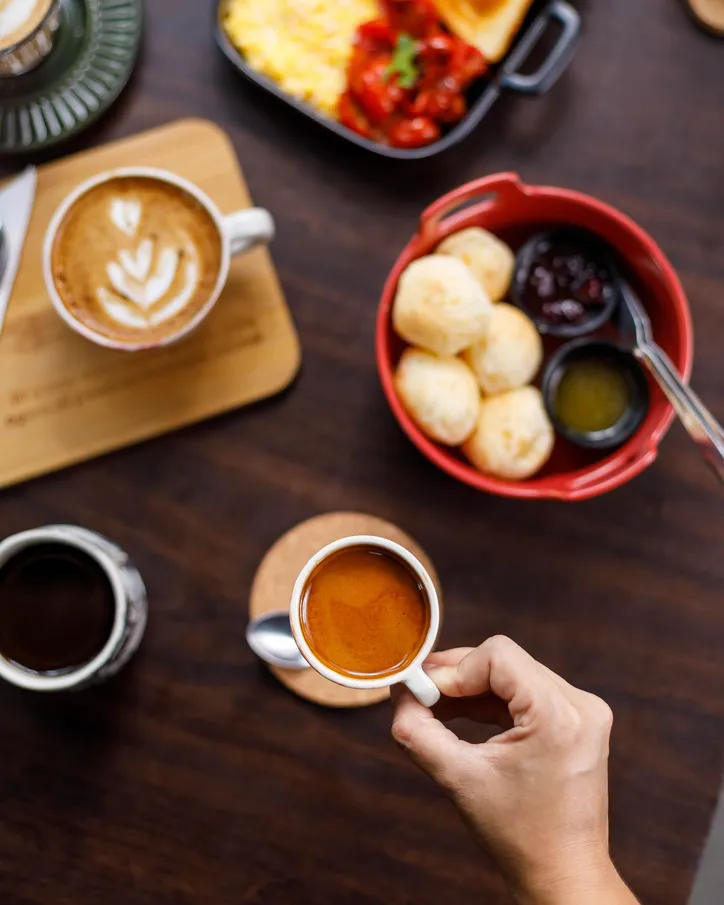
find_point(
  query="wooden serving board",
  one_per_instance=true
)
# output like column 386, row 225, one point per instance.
column 64, row 400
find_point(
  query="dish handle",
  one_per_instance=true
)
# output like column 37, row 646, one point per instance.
column 608, row 477
column 554, row 65
column 485, row 189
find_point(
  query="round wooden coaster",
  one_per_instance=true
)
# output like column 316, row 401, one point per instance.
column 274, row 582
column 709, row 14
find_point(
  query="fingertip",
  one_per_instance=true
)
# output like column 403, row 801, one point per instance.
column 447, row 657
column 401, row 732
column 404, row 701
column 401, row 696
column 406, row 710
column 431, row 745
column 445, row 678
column 406, row 715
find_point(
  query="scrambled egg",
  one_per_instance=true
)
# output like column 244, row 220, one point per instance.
column 304, row 45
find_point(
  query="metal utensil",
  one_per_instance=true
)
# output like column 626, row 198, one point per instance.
column 16, row 205
column 270, row 637
column 703, row 428
column 709, row 880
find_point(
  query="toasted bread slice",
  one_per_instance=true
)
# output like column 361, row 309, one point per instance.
column 490, row 25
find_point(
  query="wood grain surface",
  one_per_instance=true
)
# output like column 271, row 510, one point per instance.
column 195, row 778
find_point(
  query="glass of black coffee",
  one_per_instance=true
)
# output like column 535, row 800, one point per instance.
column 71, row 608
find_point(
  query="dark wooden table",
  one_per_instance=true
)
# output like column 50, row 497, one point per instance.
column 195, row 778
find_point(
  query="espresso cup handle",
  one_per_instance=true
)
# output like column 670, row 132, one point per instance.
column 424, row 689
column 248, row 228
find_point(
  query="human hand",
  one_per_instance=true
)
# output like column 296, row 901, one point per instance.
column 536, row 795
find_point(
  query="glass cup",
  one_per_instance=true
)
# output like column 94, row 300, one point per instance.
column 129, row 617
column 32, row 48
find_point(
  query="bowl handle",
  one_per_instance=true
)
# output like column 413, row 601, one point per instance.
column 560, row 55
column 488, row 188
column 606, row 478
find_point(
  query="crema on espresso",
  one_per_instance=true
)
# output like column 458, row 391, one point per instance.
column 364, row 613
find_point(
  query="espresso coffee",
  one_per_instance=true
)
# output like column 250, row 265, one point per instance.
column 19, row 19
column 364, row 613
column 136, row 258
column 57, row 608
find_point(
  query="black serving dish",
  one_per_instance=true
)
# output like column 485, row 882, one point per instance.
column 482, row 95
column 586, row 243
column 581, row 350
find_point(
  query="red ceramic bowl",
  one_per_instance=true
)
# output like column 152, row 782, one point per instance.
column 509, row 208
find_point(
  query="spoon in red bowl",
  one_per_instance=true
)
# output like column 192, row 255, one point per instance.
column 635, row 329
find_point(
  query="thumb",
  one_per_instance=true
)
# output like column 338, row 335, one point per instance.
column 430, row 744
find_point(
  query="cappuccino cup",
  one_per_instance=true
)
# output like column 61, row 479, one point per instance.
column 136, row 258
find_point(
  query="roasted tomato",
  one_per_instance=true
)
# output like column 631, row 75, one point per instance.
column 413, row 133
column 377, row 35
column 442, row 102
column 352, row 116
column 418, row 18
column 407, row 76
column 378, row 95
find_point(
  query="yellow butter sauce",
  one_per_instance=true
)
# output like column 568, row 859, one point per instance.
column 592, row 396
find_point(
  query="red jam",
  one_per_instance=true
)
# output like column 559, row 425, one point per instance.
column 568, row 283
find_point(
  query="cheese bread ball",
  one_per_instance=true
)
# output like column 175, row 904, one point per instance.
column 491, row 261
column 509, row 355
column 514, row 436
column 440, row 306
column 440, row 394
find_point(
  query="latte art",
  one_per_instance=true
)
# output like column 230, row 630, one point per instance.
column 18, row 18
column 136, row 256
column 132, row 286
column 154, row 282
column 126, row 215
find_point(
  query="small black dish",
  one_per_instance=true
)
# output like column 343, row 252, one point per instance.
column 624, row 362
column 582, row 273
column 483, row 94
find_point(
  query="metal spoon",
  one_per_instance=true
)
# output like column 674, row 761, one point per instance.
column 701, row 425
column 270, row 637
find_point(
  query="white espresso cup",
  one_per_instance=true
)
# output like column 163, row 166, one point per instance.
column 239, row 232
column 129, row 615
column 413, row 675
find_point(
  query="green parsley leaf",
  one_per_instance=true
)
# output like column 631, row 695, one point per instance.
column 403, row 63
